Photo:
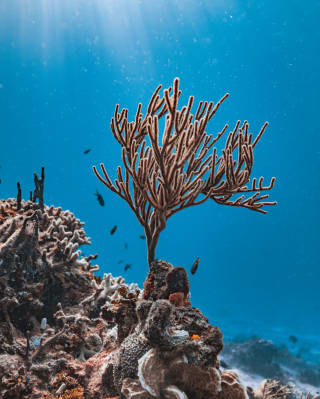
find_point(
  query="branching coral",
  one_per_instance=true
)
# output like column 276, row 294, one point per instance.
column 272, row 389
column 38, row 254
column 166, row 173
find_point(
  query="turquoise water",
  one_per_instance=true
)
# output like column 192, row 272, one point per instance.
column 64, row 66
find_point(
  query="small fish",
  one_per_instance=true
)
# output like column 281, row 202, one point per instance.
column 127, row 267
column 195, row 266
column 0, row 181
column 113, row 230
column 125, row 245
column 120, row 261
column 87, row 151
column 293, row 339
column 99, row 198
column 142, row 236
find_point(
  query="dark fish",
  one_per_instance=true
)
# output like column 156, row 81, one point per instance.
column 142, row 236
column 99, row 198
column 127, row 267
column 293, row 339
column 0, row 181
column 87, row 151
column 195, row 266
column 120, row 261
column 113, row 230
column 125, row 245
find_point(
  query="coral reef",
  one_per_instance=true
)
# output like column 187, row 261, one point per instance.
column 66, row 333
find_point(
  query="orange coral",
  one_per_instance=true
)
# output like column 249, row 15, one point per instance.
column 75, row 393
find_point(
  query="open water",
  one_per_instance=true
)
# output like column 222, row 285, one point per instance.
column 64, row 65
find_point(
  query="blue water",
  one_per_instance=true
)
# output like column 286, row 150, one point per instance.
column 65, row 65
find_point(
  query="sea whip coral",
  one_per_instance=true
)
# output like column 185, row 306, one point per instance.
column 165, row 173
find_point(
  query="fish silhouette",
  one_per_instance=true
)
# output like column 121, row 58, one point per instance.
column 293, row 339
column 113, row 230
column 195, row 266
column 99, row 198
column 127, row 267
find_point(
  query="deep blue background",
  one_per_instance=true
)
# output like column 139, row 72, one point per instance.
column 64, row 66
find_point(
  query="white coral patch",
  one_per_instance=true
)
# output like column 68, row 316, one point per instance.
column 110, row 358
column 218, row 374
column 172, row 392
column 113, row 333
column 177, row 335
column 149, row 372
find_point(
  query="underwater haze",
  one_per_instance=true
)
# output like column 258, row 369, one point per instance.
column 64, row 65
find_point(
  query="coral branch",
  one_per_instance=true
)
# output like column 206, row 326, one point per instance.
column 165, row 173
